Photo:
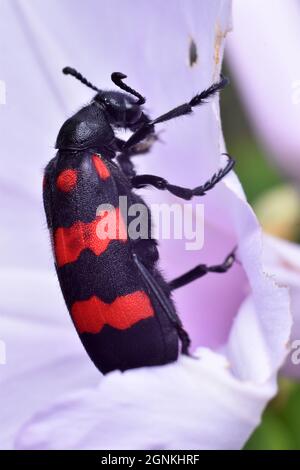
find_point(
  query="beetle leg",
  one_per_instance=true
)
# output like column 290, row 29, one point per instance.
column 140, row 181
column 181, row 110
column 201, row 270
column 185, row 340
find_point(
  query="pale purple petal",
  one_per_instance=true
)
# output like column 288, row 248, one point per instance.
column 263, row 53
column 283, row 259
column 178, row 406
column 44, row 357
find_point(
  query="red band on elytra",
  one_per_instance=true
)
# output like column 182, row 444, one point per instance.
column 71, row 241
column 91, row 315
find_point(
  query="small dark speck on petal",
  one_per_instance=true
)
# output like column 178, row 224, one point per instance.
column 193, row 54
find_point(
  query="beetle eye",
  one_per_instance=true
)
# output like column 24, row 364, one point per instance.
column 105, row 101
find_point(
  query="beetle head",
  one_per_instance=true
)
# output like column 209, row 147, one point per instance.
column 122, row 109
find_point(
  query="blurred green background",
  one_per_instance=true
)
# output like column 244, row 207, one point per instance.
column 270, row 195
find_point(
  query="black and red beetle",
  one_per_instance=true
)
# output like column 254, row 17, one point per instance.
column 119, row 302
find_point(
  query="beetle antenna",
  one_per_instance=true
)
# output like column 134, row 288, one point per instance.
column 81, row 78
column 117, row 78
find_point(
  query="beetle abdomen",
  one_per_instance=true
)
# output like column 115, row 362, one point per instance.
column 117, row 318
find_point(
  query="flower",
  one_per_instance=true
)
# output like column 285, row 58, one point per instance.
column 267, row 72
column 240, row 323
